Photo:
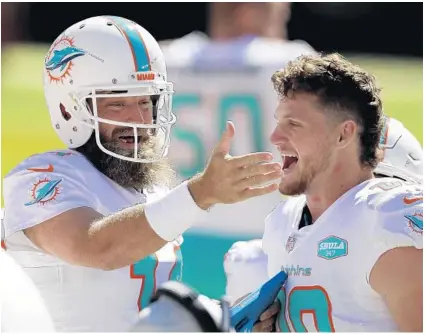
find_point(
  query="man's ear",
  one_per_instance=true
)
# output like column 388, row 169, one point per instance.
column 347, row 132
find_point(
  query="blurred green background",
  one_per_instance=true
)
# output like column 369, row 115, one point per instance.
column 26, row 130
column 26, row 125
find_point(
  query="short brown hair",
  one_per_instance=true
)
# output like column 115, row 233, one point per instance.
column 342, row 87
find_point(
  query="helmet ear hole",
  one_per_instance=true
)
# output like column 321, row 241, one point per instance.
column 66, row 115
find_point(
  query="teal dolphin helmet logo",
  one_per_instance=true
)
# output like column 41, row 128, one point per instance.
column 62, row 57
column 59, row 60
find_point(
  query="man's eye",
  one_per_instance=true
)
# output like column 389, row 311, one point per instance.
column 116, row 104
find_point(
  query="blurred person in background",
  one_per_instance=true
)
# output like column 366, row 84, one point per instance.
column 239, row 34
column 229, row 21
column 245, row 263
column 226, row 75
column 96, row 226
column 13, row 22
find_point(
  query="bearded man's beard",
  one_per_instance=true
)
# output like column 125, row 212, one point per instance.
column 130, row 174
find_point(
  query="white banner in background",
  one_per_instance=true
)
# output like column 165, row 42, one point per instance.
column 203, row 102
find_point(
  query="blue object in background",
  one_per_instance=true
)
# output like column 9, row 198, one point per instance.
column 248, row 310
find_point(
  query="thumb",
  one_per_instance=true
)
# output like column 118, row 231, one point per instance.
column 225, row 142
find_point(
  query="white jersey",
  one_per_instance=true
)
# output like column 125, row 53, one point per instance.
column 235, row 76
column 197, row 50
column 80, row 298
column 245, row 265
column 23, row 310
column 329, row 262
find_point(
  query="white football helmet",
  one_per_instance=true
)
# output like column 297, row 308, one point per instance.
column 106, row 56
column 402, row 153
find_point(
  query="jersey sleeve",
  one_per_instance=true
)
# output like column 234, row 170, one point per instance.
column 41, row 188
column 399, row 223
column 245, row 265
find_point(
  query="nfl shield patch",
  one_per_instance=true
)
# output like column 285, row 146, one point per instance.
column 290, row 243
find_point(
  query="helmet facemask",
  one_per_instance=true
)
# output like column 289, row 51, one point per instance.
column 151, row 141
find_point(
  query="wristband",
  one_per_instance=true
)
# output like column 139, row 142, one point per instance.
column 174, row 213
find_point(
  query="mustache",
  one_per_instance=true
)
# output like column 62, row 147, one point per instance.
column 126, row 173
column 143, row 134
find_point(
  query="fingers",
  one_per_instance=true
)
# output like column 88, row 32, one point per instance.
column 250, row 159
column 267, row 319
column 228, row 179
column 258, row 169
column 271, row 311
column 260, row 191
column 259, row 180
column 264, row 326
column 225, row 142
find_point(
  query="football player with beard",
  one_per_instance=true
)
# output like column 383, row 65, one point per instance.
column 95, row 226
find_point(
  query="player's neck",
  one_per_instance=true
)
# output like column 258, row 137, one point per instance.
column 331, row 187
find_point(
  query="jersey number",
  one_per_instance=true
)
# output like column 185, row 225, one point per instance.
column 303, row 300
column 224, row 106
column 146, row 270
